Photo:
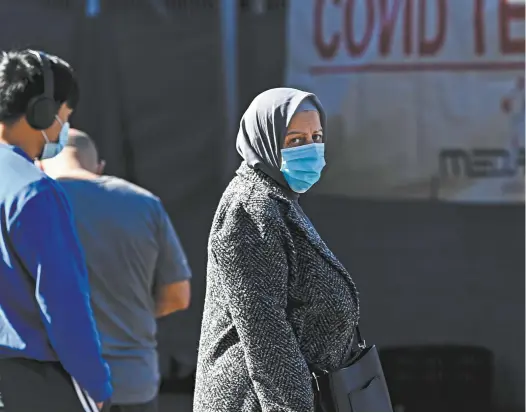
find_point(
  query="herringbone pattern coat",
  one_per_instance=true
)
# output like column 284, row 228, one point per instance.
column 277, row 300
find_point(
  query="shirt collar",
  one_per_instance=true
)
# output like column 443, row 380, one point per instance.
column 16, row 150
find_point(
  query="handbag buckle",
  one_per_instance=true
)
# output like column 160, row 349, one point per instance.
column 316, row 380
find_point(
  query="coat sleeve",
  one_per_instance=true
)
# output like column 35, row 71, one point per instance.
column 253, row 271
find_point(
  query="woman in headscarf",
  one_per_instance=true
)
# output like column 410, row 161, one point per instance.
column 278, row 302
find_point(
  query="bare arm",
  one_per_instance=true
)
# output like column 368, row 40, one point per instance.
column 172, row 273
column 171, row 298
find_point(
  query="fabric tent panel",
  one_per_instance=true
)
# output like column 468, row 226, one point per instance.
column 174, row 127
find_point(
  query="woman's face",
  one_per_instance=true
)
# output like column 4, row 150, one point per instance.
column 304, row 129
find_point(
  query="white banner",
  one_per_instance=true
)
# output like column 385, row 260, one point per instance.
column 425, row 98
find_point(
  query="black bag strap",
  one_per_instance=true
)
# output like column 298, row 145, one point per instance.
column 360, row 341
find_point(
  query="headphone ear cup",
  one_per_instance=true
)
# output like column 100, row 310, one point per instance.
column 41, row 112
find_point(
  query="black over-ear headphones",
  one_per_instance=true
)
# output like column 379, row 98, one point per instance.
column 41, row 110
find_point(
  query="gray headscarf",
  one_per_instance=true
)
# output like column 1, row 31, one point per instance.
column 264, row 125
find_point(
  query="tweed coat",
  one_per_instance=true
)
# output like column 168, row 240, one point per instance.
column 277, row 301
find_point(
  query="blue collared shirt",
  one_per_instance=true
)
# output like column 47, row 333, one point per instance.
column 45, row 311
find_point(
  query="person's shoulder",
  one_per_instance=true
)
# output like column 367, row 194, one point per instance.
column 246, row 208
column 134, row 196
column 42, row 195
column 260, row 201
column 18, row 170
column 122, row 186
column 40, row 188
column 25, row 183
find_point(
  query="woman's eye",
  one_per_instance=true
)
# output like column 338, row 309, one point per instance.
column 296, row 141
column 318, row 138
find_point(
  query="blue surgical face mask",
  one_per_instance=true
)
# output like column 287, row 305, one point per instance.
column 52, row 149
column 302, row 165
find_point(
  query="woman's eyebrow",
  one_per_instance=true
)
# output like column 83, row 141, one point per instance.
column 295, row 132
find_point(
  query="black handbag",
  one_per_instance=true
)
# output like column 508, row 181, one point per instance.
column 358, row 387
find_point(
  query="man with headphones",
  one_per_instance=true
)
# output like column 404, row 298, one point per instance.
column 50, row 353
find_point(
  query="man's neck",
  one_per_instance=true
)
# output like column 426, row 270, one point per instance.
column 66, row 168
column 79, row 174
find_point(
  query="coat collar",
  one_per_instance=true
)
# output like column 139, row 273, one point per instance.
column 257, row 176
column 295, row 215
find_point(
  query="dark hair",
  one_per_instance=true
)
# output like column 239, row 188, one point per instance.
column 21, row 79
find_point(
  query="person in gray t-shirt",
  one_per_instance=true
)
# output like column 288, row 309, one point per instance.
column 137, row 268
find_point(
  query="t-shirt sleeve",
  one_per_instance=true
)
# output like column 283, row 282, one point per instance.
column 172, row 264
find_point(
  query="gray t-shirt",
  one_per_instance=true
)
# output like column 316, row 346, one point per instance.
column 131, row 248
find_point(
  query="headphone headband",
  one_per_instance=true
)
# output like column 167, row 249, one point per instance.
column 47, row 73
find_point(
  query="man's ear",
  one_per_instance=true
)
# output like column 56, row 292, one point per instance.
column 100, row 168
